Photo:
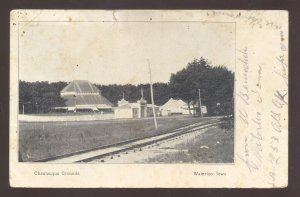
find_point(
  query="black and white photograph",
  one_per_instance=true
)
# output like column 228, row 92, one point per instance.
column 149, row 98
column 126, row 92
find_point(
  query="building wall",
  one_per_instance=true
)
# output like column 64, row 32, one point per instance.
column 65, row 118
column 123, row 113
column 165, row 112
column 143, row 111
column 136, row 113
column 150, row 111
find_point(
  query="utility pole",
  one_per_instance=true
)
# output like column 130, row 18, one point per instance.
column 142, row 92
column 200, row 104
column 23, row 107
column 75, row 102
column 37, row 107
column 152, row 99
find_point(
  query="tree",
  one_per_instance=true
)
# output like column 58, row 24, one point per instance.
column 161, row 93
column 40, row 97
column 132, row 93
column 216, row 84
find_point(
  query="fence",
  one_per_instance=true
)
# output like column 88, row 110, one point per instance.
column 88, row 117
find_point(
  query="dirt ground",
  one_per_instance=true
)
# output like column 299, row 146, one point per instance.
column 213, row 146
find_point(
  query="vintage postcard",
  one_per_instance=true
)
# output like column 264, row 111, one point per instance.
column 149, row 98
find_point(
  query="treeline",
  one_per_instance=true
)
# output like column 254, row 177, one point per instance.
column 40, row 97
column 216, row 85
column 132, row 93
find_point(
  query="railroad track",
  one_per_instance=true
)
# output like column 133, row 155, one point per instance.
column 125, row 146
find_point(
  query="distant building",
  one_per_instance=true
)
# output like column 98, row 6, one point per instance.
column 82, row 95
column 204, row 109
column 194, row 107
column 150, row 110
column 173, row 106
column 127, row 110
column 140, row 109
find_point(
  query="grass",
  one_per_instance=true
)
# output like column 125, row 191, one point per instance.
column 44, row 140
column 220, row 143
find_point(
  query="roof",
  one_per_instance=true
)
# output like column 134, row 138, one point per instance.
column 122, row 102
column 142, row 100
column 83, row 92
column 173, row 103
column 72, row 100
column 150, row 105
column 80, row 86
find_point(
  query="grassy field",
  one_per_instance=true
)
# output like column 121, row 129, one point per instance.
column 44, row 140
column 213, row 146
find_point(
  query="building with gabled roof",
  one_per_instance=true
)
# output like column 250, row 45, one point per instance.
column 82, row 95
column 173, row 106
column 178, row 106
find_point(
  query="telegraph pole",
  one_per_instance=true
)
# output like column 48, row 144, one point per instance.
column 75, row 102
column 152, row 99
column 23, row 108
column 200, row 104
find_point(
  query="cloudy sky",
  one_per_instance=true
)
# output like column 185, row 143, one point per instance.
column 117, row 52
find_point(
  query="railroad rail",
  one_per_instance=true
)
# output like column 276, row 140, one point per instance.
column 89, row 155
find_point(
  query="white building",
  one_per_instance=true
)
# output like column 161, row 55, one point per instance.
column 127, row 111
column 173, row 106
column 131, row 110
column 139, row 109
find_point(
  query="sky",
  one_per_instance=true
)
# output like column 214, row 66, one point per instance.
column 117, row 52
